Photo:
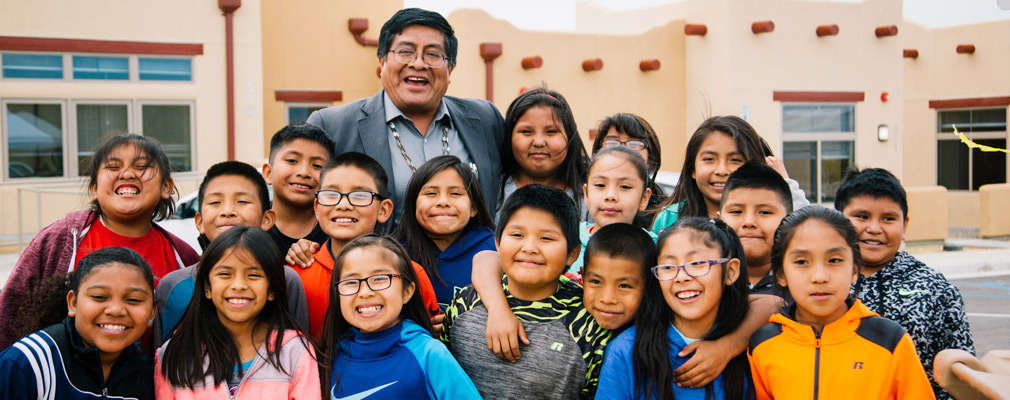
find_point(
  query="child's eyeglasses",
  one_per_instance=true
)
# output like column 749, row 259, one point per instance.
column 357, row 198
column 631, row 144
column 693, row 269
column 349, row 287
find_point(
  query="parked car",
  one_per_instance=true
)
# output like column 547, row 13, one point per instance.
column 181, row 223
column 668, row 181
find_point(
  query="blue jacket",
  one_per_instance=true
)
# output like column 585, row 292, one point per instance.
column 54, row 364
column 617, row 379
column 402, row 362
column 455, row 263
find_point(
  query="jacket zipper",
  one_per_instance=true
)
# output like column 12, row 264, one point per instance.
column 73, row 253
column 817, row 363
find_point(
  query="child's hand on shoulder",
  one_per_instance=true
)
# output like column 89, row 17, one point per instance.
column 503, row 333
column 777, row 164
column 706, row 364
column 301, row 252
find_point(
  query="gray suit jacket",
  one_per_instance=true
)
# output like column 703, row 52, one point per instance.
column 361, row 126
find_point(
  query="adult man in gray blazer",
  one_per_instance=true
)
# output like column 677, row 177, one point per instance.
column 411, row 119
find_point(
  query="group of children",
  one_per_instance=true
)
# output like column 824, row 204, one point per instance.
column 590, row 282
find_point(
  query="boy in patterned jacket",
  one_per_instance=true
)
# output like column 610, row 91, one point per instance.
column 537, row 239
column 892, row 282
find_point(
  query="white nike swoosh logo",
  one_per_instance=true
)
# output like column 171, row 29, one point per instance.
column 361, row 395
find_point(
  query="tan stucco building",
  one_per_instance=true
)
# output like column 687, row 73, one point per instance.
column 826, row 83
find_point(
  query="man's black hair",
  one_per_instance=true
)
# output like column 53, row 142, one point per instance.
column 300, row 131
column 363, row 162
column 875, row 182
column 415, row 16
column 756, row 174
column 236, row 168
column 622, row 241
column 547, row 199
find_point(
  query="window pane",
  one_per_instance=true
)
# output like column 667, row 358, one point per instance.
column 990, row 120
column 170, row 124
column 111, row 68
column 165, row 69
column 818, row 118
column 800, row 159
column 32, row 66
column 94, row 122
column 300, row 114
column 34, row 140
column 836, row 159
column 988, row 168
column 952, row 164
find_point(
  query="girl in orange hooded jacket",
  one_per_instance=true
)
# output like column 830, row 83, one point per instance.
column 826, row 345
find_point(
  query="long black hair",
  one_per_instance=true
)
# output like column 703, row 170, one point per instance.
column 412, row 234
column 748, row 143
column 200, row 334
column 653, row 372
column 335, row 327
column 575, row 167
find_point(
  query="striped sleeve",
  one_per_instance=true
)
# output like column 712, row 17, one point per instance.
column 28, row 370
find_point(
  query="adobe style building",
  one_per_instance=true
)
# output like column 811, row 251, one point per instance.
column 828, row 84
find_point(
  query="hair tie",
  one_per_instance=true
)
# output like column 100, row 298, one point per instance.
column 545, row 94
column 712, row 221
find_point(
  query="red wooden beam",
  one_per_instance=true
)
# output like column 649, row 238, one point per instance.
column 532, row 62
column 762, row 27
column 965, row 49
column 649, row 65
column 19, row 43
column 489, row 52
column 827, row 30
column 815, row 97
column 910, row 53
column 695, row 29
column 884, row 31
column 592, row 64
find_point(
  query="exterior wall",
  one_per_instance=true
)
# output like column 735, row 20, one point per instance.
column 939, row 73
column 731, row 67
column 924, row 222
column 184, row 21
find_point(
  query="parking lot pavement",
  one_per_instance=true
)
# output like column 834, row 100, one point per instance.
column 987, row 301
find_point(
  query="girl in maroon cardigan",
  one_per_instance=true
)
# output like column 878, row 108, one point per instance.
column 131, row 187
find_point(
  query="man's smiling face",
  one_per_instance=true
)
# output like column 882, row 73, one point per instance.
column 415, row 88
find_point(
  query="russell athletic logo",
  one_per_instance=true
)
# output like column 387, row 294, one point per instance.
column 557, row 346
column 857, row 365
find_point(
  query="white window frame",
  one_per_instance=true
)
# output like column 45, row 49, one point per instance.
column 819, row 138
column 289, row 104
column 64, row 124
column 951, row 136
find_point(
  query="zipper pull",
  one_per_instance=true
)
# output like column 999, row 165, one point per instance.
column 105, row 393
column 817, row 343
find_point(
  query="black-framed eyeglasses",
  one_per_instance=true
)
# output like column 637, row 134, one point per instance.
column 631, row 144
column 357, row 198
column 694, row 269
column 377, row 282
column 432, row 59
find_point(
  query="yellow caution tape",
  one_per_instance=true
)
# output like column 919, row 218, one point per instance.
column 973, row 145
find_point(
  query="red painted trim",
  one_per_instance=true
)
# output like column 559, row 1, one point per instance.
column 762, row 27
column 308, row 95
column 229, row 7
column 98, row 46
column 827, row 30
column 695, row 29
column 910, row 53
column 972, row 102
column 358, row 26
column 818, row 97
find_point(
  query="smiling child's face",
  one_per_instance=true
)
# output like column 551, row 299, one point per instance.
column 612, row 290
column 754, row 214
column 534, row 253
column 614, row 191
column 111, row 308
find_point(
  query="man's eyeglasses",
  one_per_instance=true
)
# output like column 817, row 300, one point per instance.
column 357, row 198
column 693, row 269
column 349, row 287
column 632, row 144
column 432, row 59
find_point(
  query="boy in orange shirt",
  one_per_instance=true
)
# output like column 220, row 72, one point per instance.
column 350, row 201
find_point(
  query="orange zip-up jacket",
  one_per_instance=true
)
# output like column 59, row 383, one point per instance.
column 860, row 356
